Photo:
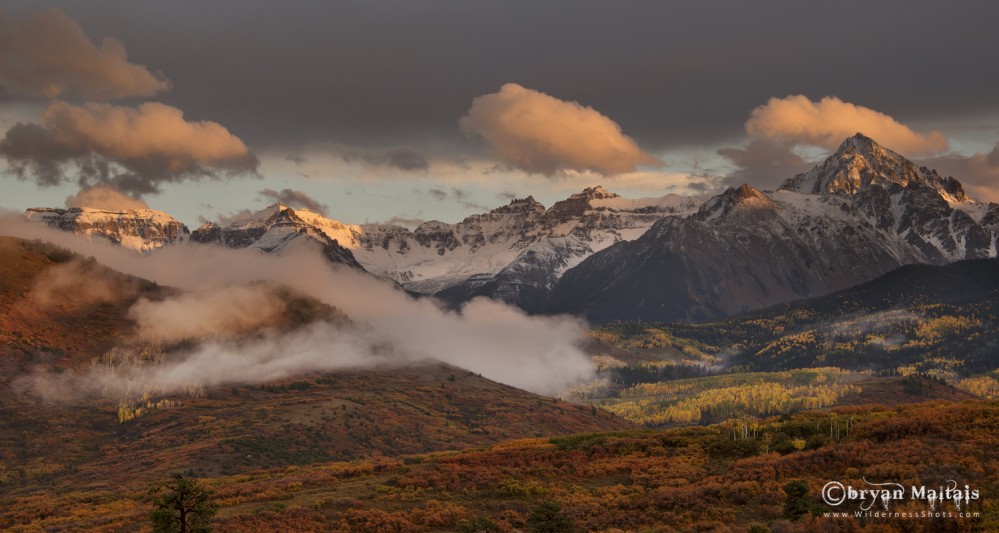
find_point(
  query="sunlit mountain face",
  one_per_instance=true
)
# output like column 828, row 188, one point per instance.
column 404, row 266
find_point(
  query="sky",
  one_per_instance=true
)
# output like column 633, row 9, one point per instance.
column 400, row 111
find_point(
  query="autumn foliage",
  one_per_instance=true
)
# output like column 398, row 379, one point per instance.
column 695, row 478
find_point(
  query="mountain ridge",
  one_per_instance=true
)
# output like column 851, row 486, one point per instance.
column 514, row 252
column 866, row 211
column 141, row 230
column 861, row 212
column 273, row 230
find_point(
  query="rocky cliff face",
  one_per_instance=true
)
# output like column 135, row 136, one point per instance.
column 140, row 229
column 864, row 211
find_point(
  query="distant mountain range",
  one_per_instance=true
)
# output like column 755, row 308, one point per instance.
column 515, row 253
column 863, row 212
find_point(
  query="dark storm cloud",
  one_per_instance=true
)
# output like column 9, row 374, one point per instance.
column 669, row 73
column 464, row 197
column 437, row 194
column 295, row 199
column 702, row 187
column 402, row 158
column 459, row 195
column 409, row 222
column 763, row 163
column 48, row 54
column 225, row 219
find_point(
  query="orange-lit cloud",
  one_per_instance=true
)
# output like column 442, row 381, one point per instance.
column 151, row 130
column 541, row 134
column 101, row 197
column 131, row 149
column 47, row 54
column 797, row 120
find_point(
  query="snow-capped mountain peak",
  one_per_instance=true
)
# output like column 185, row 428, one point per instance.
column 596, row 193
column 864, row 211
column 744, row 199
column 860, row 163
column 141, row 230
column 514, row 252
column 278, row 227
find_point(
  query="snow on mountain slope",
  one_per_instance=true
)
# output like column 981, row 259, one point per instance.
column 496, row 254
column 141, row 230
column 513, row 251
column 915, row 204
column 278, row 229
column 864, row 211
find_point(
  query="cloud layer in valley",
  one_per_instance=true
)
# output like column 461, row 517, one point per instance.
column 72, row 285
column 390, row 327
column 538, row 133
column 206, row 313
column 130, row 149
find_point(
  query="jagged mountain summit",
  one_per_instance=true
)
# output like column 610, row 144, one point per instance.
column 928, row 212
column 141, row 230
column 861, row 163
column 515, row 252
column 279, row 228
column 272, row 230
column 863, row 212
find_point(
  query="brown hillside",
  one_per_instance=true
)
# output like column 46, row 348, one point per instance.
column 81, row 314
column 81, row 443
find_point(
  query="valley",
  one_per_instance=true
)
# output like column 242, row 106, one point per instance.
column 793, row 357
